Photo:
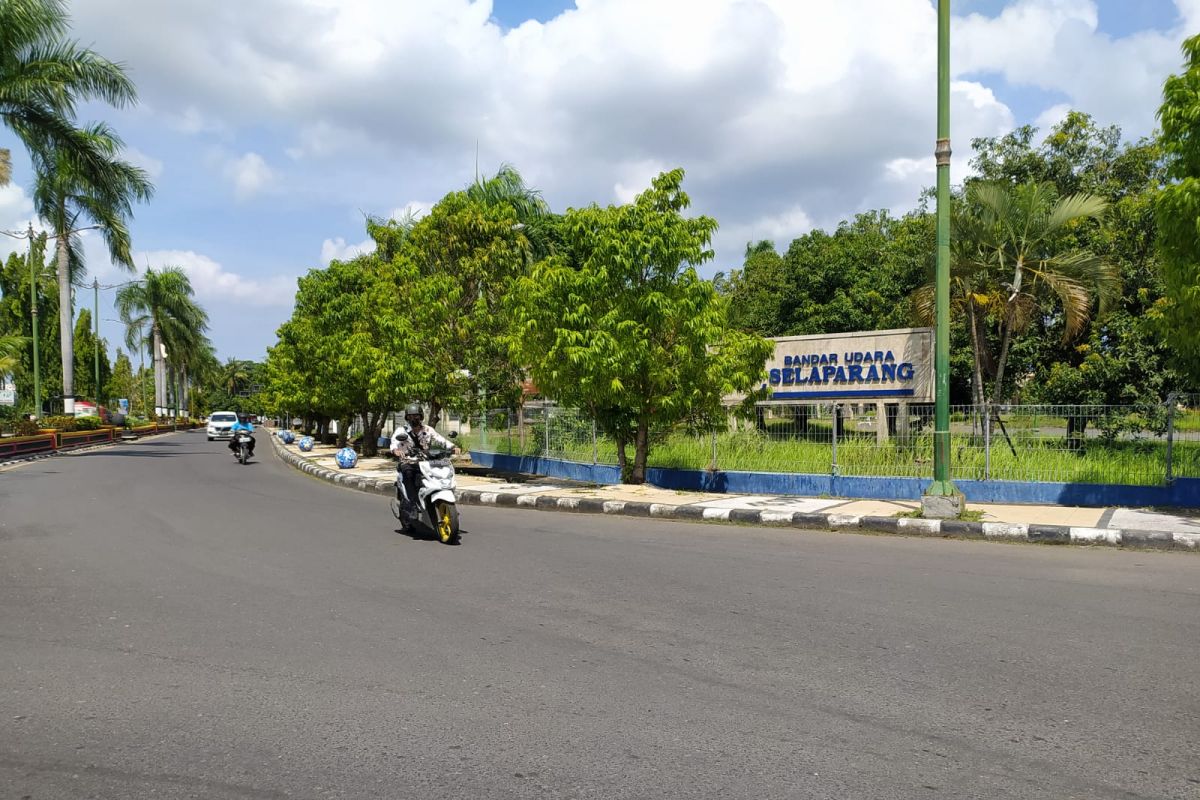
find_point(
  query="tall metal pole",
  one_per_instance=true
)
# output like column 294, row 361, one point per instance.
column 96, row 315
column 37, row 370
column 942, row 485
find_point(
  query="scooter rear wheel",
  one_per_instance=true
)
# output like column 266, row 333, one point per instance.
column 446, row 517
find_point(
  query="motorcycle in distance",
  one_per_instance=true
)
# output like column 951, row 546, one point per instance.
column 436, row 504
column 242, row 440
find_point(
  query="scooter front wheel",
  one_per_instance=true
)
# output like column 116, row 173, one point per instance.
column 446, row 517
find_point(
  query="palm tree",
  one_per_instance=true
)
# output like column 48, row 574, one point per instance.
column 161, row 310
column 43, row 76
column 10, row 352
column 1012, row 257
column 507, row 187
column 67, row 196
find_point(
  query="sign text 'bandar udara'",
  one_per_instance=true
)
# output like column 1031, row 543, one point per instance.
column 894, row 364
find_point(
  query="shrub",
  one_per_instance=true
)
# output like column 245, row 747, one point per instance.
column 60, row 423
column 87, row 423
column 27, row 427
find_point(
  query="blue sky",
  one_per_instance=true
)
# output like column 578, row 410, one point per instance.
column 271, row 127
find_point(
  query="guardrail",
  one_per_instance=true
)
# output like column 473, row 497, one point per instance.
column 27, row 445
column 73, row 439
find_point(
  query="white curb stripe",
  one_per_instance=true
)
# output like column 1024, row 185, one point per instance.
column 716, row 513
column 661, row 510
column 1107, row 535
column 527, row 500
column 614, row 506
column 1005, row 530
column 776, row 516
column 926, row 526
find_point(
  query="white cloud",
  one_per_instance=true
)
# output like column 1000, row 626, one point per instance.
column 337, row 249
column 250, row 175
column 215, row 284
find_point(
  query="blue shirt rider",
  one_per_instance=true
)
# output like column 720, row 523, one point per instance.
column 242, row 424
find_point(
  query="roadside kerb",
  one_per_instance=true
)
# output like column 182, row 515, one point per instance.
column 906, row 526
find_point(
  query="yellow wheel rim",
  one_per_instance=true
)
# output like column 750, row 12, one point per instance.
column 444, row 523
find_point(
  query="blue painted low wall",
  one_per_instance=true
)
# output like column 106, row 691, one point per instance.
column 1183, row 492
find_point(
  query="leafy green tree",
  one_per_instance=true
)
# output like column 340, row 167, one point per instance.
column 121, row 383
column 86, row 346
column 1127, row 357
column 16, row 319
column 1177, row 210
column 458, row 266
column 70, row 197
column 634, row 335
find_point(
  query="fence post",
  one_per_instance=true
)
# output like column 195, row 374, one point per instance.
column 1172, row 399
column 714, row 450
column 834, row 470
column 987, row 442
column 595, row 449
column 546, row 452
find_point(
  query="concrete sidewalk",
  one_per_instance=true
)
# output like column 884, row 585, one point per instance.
column 1045, row 523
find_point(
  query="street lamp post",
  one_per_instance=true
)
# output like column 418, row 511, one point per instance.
column 33, row 313
column 942, row 499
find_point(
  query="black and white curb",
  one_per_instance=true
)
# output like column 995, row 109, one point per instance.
column 999, row 531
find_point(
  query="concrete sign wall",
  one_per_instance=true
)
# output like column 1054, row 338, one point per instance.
column 873, row 365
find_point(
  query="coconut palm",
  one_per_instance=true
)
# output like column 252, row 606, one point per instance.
column 159, row 310
column 507, row 187
column 10, row 352
column 43, row 76
column 69, row 197
column 1012, row 258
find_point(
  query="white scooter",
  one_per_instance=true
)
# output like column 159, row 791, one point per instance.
column 436, row 504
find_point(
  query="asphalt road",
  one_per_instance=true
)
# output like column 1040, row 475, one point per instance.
column 175, row 625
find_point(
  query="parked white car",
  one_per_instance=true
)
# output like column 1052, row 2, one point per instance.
column 219, row 424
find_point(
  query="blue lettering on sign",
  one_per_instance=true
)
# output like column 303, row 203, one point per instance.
column 862, row 367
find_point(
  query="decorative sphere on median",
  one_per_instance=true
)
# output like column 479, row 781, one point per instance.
column 306, row 443
column 288, row 437
column 346, row 458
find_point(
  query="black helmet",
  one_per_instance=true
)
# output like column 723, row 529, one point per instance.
column 413, row 412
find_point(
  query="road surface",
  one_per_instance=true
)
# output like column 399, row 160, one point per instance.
column 175, row 625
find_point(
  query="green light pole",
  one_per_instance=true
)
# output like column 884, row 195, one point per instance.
column 942, row 499
column 37, row 372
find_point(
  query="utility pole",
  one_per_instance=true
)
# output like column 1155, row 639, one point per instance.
column 942, row 499
column 33, row 313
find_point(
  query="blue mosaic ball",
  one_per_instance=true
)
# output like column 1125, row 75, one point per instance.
column 346, row 458
column 306, row 443
column 288, row 437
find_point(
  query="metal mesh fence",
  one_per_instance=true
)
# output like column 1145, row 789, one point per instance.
column 1140, row 445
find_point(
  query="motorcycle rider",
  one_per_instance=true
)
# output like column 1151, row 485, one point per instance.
column 242, row 424
column 409, row 450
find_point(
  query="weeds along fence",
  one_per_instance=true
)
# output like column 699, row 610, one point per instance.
column 1146, row 445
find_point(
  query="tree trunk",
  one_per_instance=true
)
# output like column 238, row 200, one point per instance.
column 435, row 413
column 66, row 332
column 160, row 374
column 641, row 449
column 977, row 372
column 371, row 425
column 998, row 391
column 343, row 434
column 622, row 459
